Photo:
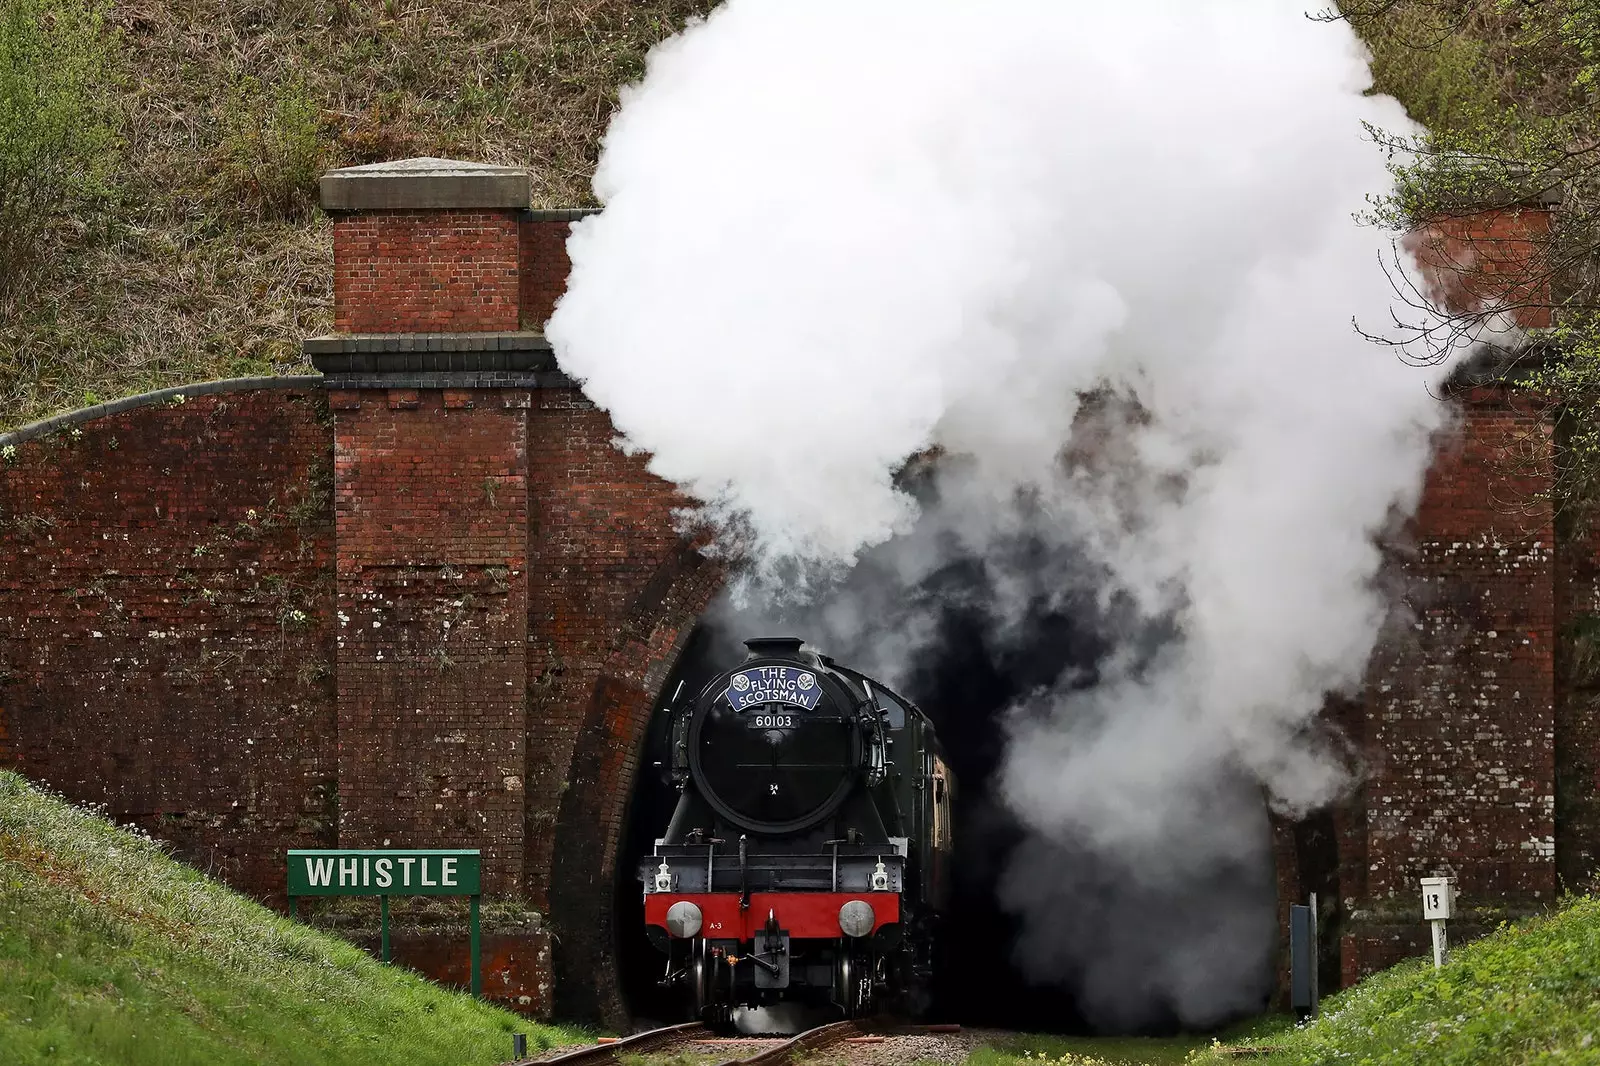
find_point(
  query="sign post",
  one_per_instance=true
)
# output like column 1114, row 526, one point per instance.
column 1303, row 959
column 391, row 872
column 1438, row 907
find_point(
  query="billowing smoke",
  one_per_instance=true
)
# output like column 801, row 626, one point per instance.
column 1090, row 269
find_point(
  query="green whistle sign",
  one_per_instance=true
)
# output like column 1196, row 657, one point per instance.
column 397, row 872
column 435, row 872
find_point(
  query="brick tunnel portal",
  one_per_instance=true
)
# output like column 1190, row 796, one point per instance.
column 192, row 581
column 967, row 684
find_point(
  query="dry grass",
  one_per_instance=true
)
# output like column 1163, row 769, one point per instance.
column 189, row 274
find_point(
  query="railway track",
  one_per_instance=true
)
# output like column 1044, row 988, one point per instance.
column 837, row 1038
column 655, row 1040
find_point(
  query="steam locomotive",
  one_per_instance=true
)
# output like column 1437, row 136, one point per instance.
column 808, row 856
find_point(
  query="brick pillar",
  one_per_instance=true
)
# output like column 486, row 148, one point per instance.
column 1460, row 708
column 431, row 502
column 1478, row 261
column 425, row 245
column 1461, row 719
column 544, row 261
column 430, row 383
column 511, row 590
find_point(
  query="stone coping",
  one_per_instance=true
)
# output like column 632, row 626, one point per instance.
column 374, row 355
column 370, row 364
column 47, row 426
column 453, row 379
column 505, row 341
column 422, row 183
column 559, row 214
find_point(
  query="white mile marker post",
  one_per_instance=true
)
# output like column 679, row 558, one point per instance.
column 1438, row 907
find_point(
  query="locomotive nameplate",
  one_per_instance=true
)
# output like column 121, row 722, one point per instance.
column 793, row 686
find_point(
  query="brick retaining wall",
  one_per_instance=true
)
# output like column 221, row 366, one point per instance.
column 425, row 601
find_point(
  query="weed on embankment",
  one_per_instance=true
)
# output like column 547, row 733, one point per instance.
column 1527, row 993
column 112, row 953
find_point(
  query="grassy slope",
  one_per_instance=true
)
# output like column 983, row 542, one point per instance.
column 1086, row 1051
column 112, row 953
column 187, row 275
column 1032, row 1049
column 1528, row 993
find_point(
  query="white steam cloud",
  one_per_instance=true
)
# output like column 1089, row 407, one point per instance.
column 1103, row 256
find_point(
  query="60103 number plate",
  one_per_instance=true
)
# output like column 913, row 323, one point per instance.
column 772, row 721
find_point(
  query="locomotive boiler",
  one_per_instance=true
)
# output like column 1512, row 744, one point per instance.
column 807, row 857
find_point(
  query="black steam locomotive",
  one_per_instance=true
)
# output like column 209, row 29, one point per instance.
column 808, row 857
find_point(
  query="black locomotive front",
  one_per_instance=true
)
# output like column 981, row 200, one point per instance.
column 807, row 855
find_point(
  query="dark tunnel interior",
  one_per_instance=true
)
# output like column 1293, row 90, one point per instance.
column 965, row 680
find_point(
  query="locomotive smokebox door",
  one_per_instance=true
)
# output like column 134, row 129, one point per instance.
column 772, row 949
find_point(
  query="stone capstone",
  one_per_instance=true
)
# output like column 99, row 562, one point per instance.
column 424, row 183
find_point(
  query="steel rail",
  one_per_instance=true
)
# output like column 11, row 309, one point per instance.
column 596, row 1054
column 810, row 1040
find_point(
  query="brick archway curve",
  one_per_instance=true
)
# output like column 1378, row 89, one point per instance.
column 601, row 775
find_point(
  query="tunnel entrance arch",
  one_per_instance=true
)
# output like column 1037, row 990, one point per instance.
column 968, row 683
column 587, row 849
column 980, row 979
column 639, row 965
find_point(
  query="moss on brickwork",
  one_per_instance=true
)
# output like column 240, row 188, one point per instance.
column 184, row 578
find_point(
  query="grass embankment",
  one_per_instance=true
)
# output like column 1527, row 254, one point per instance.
column 1087, row 1051
column 1528, row 993
column 206, row 257
column 110, row 952
column 1041, row 1050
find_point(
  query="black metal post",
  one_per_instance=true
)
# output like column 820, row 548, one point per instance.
column 1302, row 961
column 477, row 960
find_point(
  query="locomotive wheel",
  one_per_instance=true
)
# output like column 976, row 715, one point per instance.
column 699, row 979
column 853, row 983
column 711, row 986
column 911, row 983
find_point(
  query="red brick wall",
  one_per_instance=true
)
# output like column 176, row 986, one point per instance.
column 545, row 267
column 515, row 968
column 604, row 765
column 1488, row 259
column 445, row 618
column 603, row 533
column 431, row 493
column 166, row 624
column 618, row 593
column 425, row 271
column 515, row 965
column 1459, row 730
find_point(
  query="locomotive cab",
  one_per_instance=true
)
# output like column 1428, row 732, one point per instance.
column 806, row 856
